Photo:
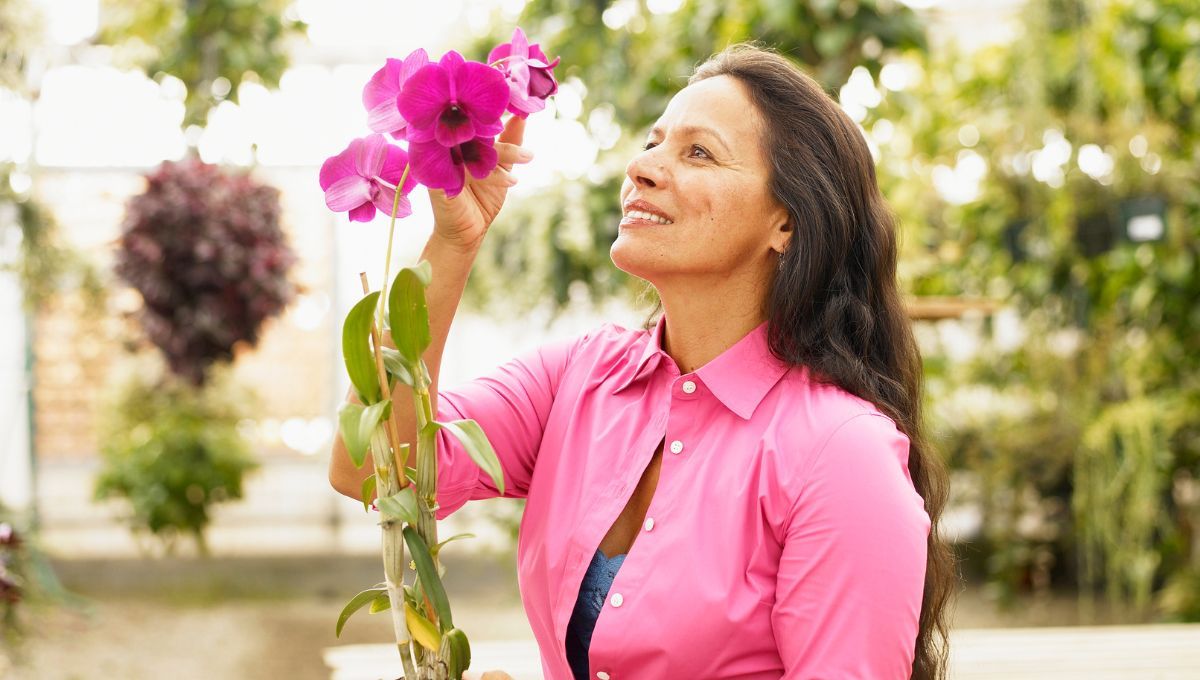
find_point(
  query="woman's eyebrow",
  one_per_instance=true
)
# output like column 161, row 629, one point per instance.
column 697, row 129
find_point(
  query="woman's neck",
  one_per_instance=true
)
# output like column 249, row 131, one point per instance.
column 696, row 334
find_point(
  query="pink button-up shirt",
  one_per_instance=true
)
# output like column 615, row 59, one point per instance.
column 784, row 539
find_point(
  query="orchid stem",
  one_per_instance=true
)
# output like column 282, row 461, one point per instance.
column 378, row 330
column 387, row 263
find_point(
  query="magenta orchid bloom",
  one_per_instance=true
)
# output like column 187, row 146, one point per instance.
column 363, row 177
column 381, row 94
column 440, row 167
column 528, row 72
column 453, row 101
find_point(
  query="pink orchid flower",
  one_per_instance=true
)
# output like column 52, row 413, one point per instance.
column 381, row 94
column 363, row 177
column 440, row 167
column 453, row 101
column 528, row 72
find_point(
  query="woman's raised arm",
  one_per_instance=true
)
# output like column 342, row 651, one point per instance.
column 460, row 224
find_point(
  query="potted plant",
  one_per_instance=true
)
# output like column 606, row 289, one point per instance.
column 449, row 113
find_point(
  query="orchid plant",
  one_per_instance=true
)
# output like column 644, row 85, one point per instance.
column 449, row 113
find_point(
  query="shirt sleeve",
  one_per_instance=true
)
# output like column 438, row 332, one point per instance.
column 511, row 404
column 852, row 571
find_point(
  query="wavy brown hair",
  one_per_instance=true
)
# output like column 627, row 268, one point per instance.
column 835, row 305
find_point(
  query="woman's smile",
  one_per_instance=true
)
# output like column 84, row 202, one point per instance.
column 641, row 212
column 640, row 219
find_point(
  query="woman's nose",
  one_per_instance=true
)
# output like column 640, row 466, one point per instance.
column 645, row 169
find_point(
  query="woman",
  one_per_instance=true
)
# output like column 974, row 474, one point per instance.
column 743, row 489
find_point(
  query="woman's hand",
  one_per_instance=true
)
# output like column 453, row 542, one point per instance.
column 487, row 675
column 464, row 219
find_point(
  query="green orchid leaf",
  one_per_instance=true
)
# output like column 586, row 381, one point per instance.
column 455, row 652
column 409, row 316
column 437, row 548
column 368, row 492
column 349, row 416
column 402, row 505
column 356, row 349
column 358, row 602
column 381, row 603
column 477, row 445
column 394, row 364
column 372, row 417
column 430, row 580
column 357, row 424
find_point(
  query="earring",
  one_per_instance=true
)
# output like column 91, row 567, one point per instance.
column 780, row 261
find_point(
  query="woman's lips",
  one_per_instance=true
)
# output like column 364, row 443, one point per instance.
column 639, row 222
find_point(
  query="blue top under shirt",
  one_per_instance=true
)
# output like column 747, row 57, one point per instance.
column 592, row 593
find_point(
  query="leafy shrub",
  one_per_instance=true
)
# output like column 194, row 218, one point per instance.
column 172, row 451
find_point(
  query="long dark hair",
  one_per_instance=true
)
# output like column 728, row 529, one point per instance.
column 835, row 306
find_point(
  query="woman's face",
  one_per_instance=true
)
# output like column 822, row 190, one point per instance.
column 704, row 168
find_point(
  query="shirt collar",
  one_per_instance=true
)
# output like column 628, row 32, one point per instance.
column 739, row 377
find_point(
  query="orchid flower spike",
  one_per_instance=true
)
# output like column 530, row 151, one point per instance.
column 363, row 178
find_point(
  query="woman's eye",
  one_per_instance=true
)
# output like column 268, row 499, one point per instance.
column 695, row 147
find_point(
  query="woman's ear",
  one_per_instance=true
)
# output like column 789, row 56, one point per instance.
column 782, row 236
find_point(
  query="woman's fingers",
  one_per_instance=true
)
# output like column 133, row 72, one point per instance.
column 487, row 675
column 499, row 177
column 510, row 154
column 514, row 130
column 512, row 135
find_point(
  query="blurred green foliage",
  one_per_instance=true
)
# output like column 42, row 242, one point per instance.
column 560, row 238
column 45, row 263
column 1082, row 434
column 21, row 27
column 829, row 36
column 211, row 45
column 172, row 451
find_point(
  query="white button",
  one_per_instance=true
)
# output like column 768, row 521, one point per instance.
column 617, row 599
column 602, row 675
column 649, row 523
column 676, row 446
column 689, row 386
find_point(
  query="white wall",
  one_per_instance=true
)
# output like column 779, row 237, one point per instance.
column 15, row 473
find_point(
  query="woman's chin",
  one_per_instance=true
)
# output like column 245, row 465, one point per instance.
column 633, row 259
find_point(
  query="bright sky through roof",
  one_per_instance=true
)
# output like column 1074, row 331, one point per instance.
column 99, row 116
column 94, row 115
